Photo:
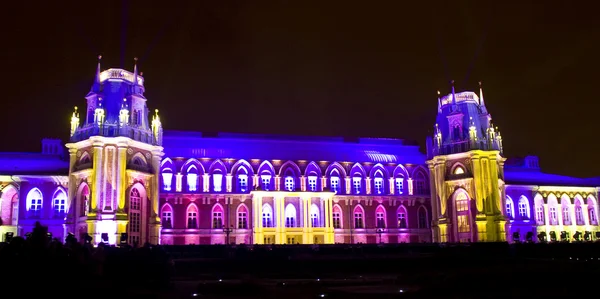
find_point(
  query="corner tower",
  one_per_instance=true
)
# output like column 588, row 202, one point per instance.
column 115, row 155
column 467, row 169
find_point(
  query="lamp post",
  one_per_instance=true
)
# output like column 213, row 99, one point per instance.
column 227, row 231
column 379, row 232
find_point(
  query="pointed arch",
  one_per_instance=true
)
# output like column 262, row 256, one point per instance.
column 166, row 219
column 565, row 207
column 289, row 165
column 291, row 215
column 137, row 210
column 9, row 205
column 458, row 169
column 192, row 216
column 419, row 176
column 267, row 215
column 185, row 168
column 242, row 173
column 290, row 172
column 337, row 216
column 336, row 166
column 357, row 175
column 35, row 201
column 592, row 206
column 358, row 169
column 266, row 167
column 312, row 169
column 85, row 158
column 509, row 210
column 166, row 162
column 402, row 217
column 242, row 165
column 193, row 170
column 241, row 213
column 217, row 216
column 379, row 176
column 59, row 202
column 378, row 167
column 359, row 216
column 380, row 217
column 579, row 214
column 166, row 172
column 553, row 209
column 524, row 208
column 83, row 199
column 540, row 210
column 422, row 217
column 138, row 159
column 420, row 169
column 218, row 172
column 400, row 176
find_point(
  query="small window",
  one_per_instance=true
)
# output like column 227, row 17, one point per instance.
column 459, row 170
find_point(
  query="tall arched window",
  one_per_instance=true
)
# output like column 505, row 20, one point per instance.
column 566, row 210
column 192, row 216
column 401, row 217
column 523, row 207
column 289, row 180
column 34, row 202
column 334, row 181
column 59, row 203
column 167, row 216
column 592, row 210
column 579, row 213
column 358, row 217
column 290, row 215
column 336, row 216
column 510, row 208
column 84, row 197
column 552, row 210
column 242, row 217
column 242, row 179
column 463, row 219
column 380, row 217
column 399, row 181
column 135, row 216
column 314, row 216
column 192, row 178
column 422, row 214
column 267, row 215
column 378, row 182
column 420, row 184
column 312, row 181
column 217, row 216
column 540, row 216
column 167, row 177
column 356, row 183
column 217, row 176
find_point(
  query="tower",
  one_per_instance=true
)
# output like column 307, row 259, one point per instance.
column 115, row 156
column 467, row 170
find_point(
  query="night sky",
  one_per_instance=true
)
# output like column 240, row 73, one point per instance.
column 339, row 68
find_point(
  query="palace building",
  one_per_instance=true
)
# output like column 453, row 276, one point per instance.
column 125, row 180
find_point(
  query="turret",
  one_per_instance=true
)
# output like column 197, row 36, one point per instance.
column 74, row 121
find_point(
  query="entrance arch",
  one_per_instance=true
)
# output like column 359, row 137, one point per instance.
column 137, row 211
column 9, row 206
column 463, row 227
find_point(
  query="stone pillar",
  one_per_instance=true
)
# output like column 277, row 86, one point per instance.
column 154, row 218
column 74, row 208
column 257, row 227
column 97, row 173
column 280, row 219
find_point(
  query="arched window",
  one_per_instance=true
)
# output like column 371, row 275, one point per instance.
column 217, row 176
column 242, row 217
column 59, row 203
column 591, row 205
column 552, row 210
column 84, row 197
column 378, row 182
column 540, row 216
column 192, row 178
column 242, row 179
column 290, row 215
column 459, row 170
column 167, row 216
column 523, row 207
column 217, row 216
column 289, row 183
column 312, row 181
column 356, row 183
column 420, row 184
column 380, row 217
column 401, row 217
column 192, row 216
column 462, row 214
column 314, row 216
column 422, row 214
column 267, row 216
column 34, row 202
column 566, row 210
column 358, row 217
column 510, row 208
column 135, row 216
column 579, row 213
column 265, row 179
column 167, row 176
column 337, row 216
column 334, row 181
column 399, row 181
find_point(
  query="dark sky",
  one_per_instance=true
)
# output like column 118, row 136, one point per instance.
column 341, row 68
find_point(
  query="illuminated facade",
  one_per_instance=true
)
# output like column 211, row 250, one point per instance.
column 123, row 179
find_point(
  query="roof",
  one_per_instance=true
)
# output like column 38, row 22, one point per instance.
column 17, row 163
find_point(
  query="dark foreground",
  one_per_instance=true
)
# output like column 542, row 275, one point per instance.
column 37, row 267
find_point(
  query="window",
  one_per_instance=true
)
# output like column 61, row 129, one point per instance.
column 266, row 181
column 592, row 215
column 553, row 216
column 378, row 184
column 242, row 220
column 336, row 216
column 399, row 185
column 420, row 187
column 217, row 217
column 579, row 215
column 459, row 170
column 591, row 206
column 380, row 217
column 422, row 214
column 523, row 208
column 314, row 216
column 539, row 214
column 84, row 198
column 167, row 180
column 312, row 183
column 462, row 213
column 34, row 201
column 290, row 216
column 358, row 218
column 356, row 184
column 192, row 178
column 402, row 218
column 167, row 217
column 135, row 216
column 267, row 216
column 566, row 218
column 335, row 184
column 217, row 182
column 59, row 203
column 192, row 216
column 509, row 208
column 289, row 183
column 242, row 182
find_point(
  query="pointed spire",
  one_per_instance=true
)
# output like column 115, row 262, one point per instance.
column 454, row 106
column 481, row 101
column 135, row 71
column 439, row 102
column 96, row 85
